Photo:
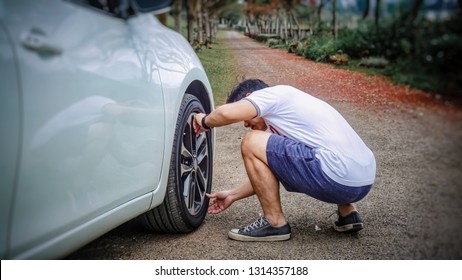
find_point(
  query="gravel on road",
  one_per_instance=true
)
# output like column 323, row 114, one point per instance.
column 414, row 210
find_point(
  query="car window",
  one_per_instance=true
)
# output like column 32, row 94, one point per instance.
column 117, row 8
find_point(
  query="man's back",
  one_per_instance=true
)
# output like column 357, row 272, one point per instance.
column 297, row 115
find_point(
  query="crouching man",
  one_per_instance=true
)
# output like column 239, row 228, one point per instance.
column 299, row 141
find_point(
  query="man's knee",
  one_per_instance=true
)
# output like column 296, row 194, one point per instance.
column 248, row 142
column 254, row 141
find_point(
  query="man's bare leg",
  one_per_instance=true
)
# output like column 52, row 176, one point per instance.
column 345, row 209
column 264, row 182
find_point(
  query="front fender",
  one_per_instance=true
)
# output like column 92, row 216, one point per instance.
column 180, row 72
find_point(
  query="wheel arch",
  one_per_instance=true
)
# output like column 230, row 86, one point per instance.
column 197, row 84
column 198, row 89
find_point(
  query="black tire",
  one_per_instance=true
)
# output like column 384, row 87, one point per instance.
column 190, row 177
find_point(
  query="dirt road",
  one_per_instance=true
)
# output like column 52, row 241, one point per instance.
column 414, row 210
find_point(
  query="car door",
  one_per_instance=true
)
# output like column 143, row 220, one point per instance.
column 93, row 117
column 9, row 129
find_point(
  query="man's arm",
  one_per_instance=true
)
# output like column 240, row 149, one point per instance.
column 220, row 201
column 226, row 114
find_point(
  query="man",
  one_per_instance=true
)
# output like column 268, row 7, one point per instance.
column 310, row 148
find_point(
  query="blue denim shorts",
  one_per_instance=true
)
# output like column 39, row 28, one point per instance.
column 298, row 170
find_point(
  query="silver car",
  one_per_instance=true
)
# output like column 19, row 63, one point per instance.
column 97, row 102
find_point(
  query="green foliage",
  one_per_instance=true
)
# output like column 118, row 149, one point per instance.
column 421, row 53
column 390, row 39
column 434, row 62
column 266, row 37
column 412, row 73
column 375, row 62
column 220, row 67
column 300, row 50
column 438, row 50
column 273, row 43
column 297, row 47
column 321, row 29
column 339, row 59
column 321, row 48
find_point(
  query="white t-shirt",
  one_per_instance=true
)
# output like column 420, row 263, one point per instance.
column 294, row 114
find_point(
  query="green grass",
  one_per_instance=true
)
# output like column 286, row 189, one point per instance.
column 220, row 67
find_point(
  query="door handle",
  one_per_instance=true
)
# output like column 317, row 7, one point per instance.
column 37, row 41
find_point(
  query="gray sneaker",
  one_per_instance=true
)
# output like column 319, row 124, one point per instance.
column 261, row 230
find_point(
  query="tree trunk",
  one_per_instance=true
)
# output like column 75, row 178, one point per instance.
column 247, row 24
column 189, row 21
column 192, row 6
column 200, row 23
column 334, row 19
column 177, row 7
column 377, row 12
column 366, row 9
column 277, row 29
column 294, row 19
column 208, row 30
column 415, row 9
column 320, row 7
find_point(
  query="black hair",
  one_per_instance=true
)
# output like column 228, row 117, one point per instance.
column 247, row 86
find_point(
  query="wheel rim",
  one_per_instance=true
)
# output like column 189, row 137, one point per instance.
column 194, row 168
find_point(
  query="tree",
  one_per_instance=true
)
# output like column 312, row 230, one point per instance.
column 212, row 10
column 322, row 3
column 203, row 18
column 272, row 15
column 289, row 5
column 334, row 18
column 193, row 8
column 366, row 8
column 377, row 12
column 176, row 12
column 415, row 9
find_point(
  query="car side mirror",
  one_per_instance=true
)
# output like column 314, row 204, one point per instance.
column 156, row 6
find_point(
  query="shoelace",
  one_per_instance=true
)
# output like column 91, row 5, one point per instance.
column 316, row 227
column 261, row 221
column 335, row 213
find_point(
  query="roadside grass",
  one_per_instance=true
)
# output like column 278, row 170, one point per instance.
column 220, row 67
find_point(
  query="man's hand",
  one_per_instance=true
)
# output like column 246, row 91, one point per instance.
column 219, row 201
column 198, row 129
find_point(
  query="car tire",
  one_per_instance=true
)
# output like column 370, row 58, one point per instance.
column 190, row 176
